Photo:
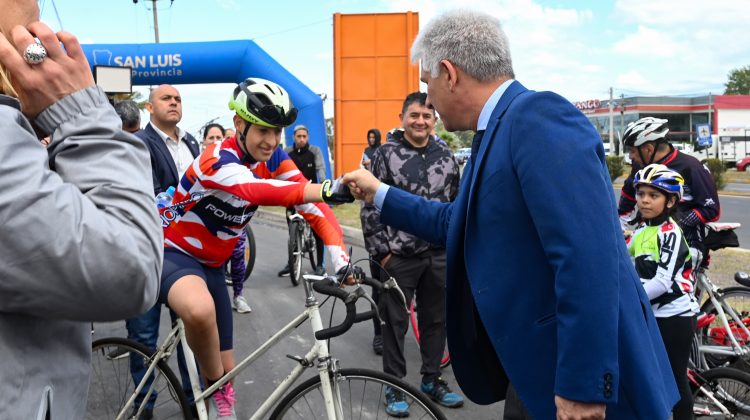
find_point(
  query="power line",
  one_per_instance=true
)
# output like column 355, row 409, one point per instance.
column 293, row 29
column 54, row 6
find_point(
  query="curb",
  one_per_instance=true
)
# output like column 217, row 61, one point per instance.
column 352, row 236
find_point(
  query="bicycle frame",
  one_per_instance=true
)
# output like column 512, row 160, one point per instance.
column 318, row 353
column 723, row 309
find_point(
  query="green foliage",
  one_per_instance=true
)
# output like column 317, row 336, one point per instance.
column 738, row 82
column 134, row 96
column 463, row 138
column 718, row 169
column 615, row 165
column 449, row 138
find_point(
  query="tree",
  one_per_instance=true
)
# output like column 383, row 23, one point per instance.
column 459, row 138
column 134, row 96
column 739, row 82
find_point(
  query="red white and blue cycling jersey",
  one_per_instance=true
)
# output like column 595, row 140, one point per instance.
column 220, row 192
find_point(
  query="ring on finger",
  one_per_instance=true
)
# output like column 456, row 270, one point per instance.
column 35, row 53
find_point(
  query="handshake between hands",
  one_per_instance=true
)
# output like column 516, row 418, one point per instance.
column 360, row 184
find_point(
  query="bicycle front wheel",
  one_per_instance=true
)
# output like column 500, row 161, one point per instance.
column 361, row 393
column 295, row 252
column 730, row 387
column 112, row 383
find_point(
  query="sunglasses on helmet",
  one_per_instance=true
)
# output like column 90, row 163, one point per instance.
column 272, row 114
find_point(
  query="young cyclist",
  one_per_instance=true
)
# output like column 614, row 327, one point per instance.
column 662, row 260
column 214, row 200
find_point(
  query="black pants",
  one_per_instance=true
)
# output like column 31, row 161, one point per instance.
column 423, row 274
column 319, row 245
column 677, row 334
column 319, row 249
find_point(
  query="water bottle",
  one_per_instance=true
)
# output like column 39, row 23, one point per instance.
column 164, row 199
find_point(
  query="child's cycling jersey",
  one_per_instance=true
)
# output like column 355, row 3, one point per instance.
column 662, row 260
column 220, row 192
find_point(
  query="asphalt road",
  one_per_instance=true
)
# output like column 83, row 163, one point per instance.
column 275, row 302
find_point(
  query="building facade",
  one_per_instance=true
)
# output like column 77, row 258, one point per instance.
column 726, row 116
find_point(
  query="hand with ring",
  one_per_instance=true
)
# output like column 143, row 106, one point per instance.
column 43, row 70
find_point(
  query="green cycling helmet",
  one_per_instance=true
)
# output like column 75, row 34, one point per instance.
column 262, row 102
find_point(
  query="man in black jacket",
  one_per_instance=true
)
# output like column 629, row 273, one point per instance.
column 414, row 161
column 309, row 160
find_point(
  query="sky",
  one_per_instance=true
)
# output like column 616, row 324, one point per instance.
column 577, row 48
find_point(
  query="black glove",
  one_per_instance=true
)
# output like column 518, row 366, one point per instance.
column 336, row 192
column 349, row 270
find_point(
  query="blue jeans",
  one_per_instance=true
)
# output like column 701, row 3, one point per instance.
column 145, row 330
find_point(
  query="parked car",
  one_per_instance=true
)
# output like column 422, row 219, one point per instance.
column 463, row 154
column 743, row 164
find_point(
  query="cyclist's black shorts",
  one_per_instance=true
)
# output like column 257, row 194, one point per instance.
column 177, row 265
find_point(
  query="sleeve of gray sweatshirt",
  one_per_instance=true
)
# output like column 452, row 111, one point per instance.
column 81, row 238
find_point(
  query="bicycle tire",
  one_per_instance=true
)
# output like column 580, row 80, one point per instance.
column 295, row 252
column 250, row 251
column 445, row 361
column 738, row 298
column 363, row 391
column 112, row 384
column 311, row 250
column 730, row 386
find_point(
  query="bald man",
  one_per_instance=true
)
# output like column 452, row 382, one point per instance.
column 172, row 151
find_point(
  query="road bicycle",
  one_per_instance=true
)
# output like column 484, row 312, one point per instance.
column 445, row 361
column 334, row 393
column 723, row 336
column 301, row 245
column 718, row 392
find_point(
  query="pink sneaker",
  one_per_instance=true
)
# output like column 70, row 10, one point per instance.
column 221, row 404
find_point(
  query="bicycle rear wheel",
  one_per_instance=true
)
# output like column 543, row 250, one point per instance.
column 361, row 393
column 738, row 298
column 250, row 251
column 112, row 383
column 731, row 387
column 295, row 252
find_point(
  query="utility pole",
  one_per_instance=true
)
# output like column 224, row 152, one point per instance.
column 156, row 19
column 156, row 23
column 611, row 121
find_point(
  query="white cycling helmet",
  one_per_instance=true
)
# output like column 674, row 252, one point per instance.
column 645, row 130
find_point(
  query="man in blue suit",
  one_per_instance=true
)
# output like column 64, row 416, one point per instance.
column 544, row 307
column 172, row 151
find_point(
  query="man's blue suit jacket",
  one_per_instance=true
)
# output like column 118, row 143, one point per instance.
column 163, row 167
column 540, row 288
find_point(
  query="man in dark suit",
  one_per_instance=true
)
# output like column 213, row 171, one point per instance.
column 172, row 151
column 544, row 308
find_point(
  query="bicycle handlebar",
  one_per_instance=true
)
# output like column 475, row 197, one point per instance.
column 332, row 289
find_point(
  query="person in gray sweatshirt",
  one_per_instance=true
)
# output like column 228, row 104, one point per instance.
column 80, row 235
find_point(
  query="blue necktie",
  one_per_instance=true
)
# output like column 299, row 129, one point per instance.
column 475, row 145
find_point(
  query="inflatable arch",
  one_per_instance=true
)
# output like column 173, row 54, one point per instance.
column 214, row 62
